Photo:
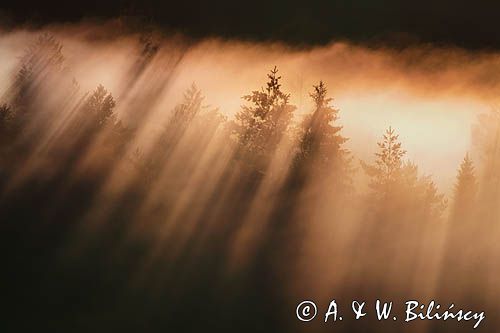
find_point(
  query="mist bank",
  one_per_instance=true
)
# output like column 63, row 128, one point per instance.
column 432, row 94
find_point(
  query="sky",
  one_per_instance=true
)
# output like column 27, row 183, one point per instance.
column 466, row 24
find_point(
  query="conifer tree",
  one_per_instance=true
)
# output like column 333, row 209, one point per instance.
column 398, row 192
column 41, row 63
column 191, row 122
column 321, row 142
column 95, row 117
column 486, row 139
column 388, row 165
column 5, row 119
column 320, row 154
column 465, row 191
column 431, row 203
column 99, row 108
column 42, row 58
column 5, row 128
column 184, row 114
column 190, row 115
column 260, row 126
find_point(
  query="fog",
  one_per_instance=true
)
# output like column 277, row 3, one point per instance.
column 164, row 157
column 431, row 94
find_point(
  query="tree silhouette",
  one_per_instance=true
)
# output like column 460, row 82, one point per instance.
column 398, row 192
column 191, row 123
column 93, row 123
column 5, row 119
column 388, row 164
column 486, row 139
column 6, row 131
column 461, row 256
column 260, row 126
column 99, row 108
column 42, row 59
column 465, row 191
column 182, row 117
column 321, row 143
column 39, row 68
column 190, row 118
column 432, row 203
